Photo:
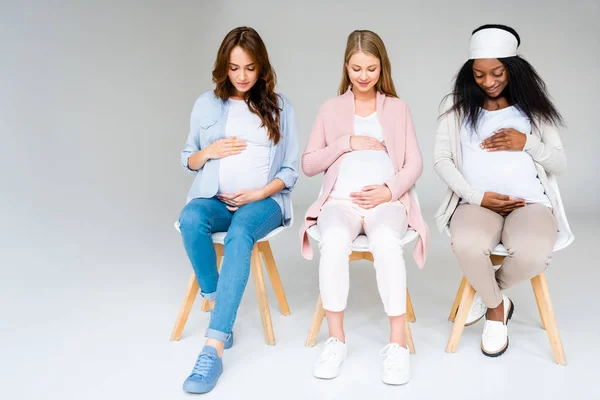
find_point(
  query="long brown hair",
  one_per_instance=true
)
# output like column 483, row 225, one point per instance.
column 369, row 43
column 261, row 98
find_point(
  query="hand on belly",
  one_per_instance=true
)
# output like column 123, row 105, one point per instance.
column 371, row 196
column 241, row 197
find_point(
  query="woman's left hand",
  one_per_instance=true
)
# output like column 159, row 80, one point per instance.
column 371, row 196
column 507, row 139
column 241, row 197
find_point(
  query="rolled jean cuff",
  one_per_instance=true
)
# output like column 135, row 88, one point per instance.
column 209, row 296
column 217, row 335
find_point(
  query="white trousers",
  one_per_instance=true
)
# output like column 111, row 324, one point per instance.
column 340, row 222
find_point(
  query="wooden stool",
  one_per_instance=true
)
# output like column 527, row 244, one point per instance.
column 261, row 248
column 464, row 299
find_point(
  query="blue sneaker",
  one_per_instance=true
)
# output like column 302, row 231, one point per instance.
column 229, row 342
column 206, row 372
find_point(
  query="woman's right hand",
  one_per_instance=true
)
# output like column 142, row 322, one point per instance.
column 225, row 147
column 365, row 143
column 501, row 203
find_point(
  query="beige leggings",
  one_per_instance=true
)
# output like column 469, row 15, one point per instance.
column 528, row 233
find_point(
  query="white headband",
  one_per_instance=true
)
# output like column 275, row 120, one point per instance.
column 492, row 43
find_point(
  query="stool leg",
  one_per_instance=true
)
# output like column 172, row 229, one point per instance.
column 267, row 254
column 466, row 299
column 409, row 338
column 457, row 300
column 316, row 323
column 496, row 259
column 410, row 312
column 539, row 301
column 356, row 255
column 184, row 311
column 540, row 289
column 261, row 295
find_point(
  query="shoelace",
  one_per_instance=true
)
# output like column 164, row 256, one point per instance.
column 329, row 352
column 390, row 351
column 479, row 308
column 204, row 364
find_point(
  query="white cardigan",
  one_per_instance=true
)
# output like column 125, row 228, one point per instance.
column 544, row 146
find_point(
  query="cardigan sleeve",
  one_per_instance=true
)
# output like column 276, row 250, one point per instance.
column 547, row 151
column 319, row 155
column 445, row 166
column 412, row 169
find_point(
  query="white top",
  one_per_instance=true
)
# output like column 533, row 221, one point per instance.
column 365, row 167
column 511, row 173
column 250, row 168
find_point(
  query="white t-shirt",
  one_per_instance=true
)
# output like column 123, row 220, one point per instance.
column 250, row 168
column 364, row 167
column 511, row 173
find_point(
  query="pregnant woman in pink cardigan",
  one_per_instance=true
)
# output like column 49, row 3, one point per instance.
column 364, row 142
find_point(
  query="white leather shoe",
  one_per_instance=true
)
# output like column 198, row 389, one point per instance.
column 477, row 311
column 494, row 339
column 396, row 366
column 329, row 363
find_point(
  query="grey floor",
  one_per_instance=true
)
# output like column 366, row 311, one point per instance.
column 90, row 318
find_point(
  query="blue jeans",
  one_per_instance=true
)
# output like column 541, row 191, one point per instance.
column 244, row 227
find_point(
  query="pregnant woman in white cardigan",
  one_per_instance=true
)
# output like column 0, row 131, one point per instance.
column 496, row 147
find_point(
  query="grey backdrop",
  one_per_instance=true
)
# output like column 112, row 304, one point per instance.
column 96, row 97
column 95, row 100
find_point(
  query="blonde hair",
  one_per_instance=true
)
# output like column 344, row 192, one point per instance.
column 369, row 43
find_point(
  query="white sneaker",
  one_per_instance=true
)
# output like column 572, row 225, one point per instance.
column 477, row 311
column 331, row 359
column 396, row 366
column 494, row 339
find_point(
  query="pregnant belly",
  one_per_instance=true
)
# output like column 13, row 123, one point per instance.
column 248, row 170
column 360, row 169
column 504, row 172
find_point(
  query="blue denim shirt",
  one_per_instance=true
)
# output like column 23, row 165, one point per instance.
column 207, row 124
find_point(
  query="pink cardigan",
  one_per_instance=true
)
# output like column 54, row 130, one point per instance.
column 330, row 140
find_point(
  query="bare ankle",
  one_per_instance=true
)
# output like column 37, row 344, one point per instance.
column 398, row 337
column 399, row 342
column 398, row 329
column 335, row 324
column 496, row 313
column 217, row 344
column 339, row 336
